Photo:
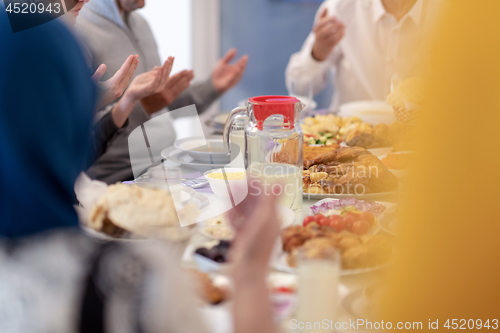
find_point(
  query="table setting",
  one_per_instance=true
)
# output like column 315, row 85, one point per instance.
column 329, row 228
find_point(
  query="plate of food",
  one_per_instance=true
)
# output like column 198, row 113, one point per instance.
column 220, row 228
column 349, row 225
column 348, row 172
column 330, row 130
column 131, row 212
column 399, row 163
column 359, row 253
column 358, row 216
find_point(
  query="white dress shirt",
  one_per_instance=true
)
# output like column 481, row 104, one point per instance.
column 375, row 47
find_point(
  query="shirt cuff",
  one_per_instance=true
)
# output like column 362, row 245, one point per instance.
column 312, row 64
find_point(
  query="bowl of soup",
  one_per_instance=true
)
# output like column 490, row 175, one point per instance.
column 210, row 150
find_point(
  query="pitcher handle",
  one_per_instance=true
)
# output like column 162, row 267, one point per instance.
column 238, row 112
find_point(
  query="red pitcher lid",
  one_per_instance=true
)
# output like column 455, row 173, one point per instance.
column 265, row 106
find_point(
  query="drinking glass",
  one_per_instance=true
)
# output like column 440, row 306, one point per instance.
column 318, row 288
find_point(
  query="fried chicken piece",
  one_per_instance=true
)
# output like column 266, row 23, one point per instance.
column 348, row 240
column 316, row 248
column 344, row 154
column 380, row 178
column 287, row 151
column 373, row 251
column 311, row 152
column 306, row 180
column 296, row 235
column 355, row 257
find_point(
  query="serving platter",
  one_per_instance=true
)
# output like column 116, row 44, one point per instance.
column 368, row 196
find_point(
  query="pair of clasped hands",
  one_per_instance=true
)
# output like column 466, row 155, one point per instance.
column 156, row 89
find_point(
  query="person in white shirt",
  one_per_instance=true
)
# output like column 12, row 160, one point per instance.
column 363, row 43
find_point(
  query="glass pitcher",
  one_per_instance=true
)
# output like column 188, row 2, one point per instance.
column 273, row 145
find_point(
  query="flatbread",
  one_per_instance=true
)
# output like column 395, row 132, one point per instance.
column 145, row 212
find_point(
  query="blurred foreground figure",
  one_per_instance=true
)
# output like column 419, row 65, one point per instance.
column 363, row 43
column 113, row 31
column 55, row 279
column 449, row 237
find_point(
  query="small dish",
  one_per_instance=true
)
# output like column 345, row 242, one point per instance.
column 222, row 187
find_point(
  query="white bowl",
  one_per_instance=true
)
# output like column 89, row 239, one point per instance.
column 371, row 112
column 238, row 188
column 210, row 150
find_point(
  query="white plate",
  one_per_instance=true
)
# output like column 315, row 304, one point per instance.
column 180, row 157
column 355, row 305
column 390, row 196
column 389, row 226
column 389, row 206
column 371, row 112
column 196, row 147
column 287, row 217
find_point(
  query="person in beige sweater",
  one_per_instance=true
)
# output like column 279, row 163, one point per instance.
column 113, row 30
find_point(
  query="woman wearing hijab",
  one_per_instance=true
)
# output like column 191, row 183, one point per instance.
column 52, row 277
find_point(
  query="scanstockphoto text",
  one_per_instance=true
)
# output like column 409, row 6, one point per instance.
column 363, row 324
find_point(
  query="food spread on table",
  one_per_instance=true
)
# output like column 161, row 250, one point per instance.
column 314, row 240
column 349, row 170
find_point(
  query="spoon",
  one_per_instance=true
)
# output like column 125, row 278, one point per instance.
column 196, row 184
